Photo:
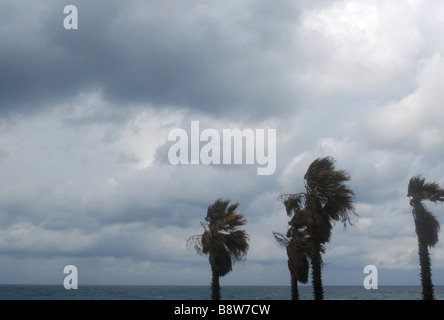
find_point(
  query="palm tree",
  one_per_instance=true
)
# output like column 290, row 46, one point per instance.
column 222, row 240
column 426, row 226
column 296, row 242
column 327, row 199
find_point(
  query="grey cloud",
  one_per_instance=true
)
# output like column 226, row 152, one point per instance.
column 205, row 64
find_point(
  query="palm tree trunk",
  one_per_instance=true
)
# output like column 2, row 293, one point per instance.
column 316, row 276
column 294, row 289
column 215, row 287
column 426, row 270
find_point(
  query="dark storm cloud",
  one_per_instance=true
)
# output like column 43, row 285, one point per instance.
column 162, row 54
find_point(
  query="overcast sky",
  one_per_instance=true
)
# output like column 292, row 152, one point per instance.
column 85, row 116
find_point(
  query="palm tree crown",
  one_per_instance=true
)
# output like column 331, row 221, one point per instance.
column 327, row 186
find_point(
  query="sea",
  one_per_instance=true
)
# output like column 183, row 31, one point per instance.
column 155, row 292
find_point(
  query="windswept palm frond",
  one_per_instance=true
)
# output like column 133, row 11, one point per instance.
column 427, row 227
column 216, row 211
column 298, row 263
column 220, row 261
column 281, row 239
column 292, row 203
column 419, row 190
column 195, row 242
column 327, row 185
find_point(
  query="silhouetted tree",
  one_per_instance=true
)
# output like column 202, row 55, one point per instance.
column 426, row 226
column 222, row 241
column 326, row 199
column 297, row 243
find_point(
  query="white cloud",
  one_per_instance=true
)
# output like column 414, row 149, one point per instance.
column 143, row 135
column 294, row 168
column 355, row 48
column 414, row 122
column 394, row 253
column 341, row 251
column 337, row 149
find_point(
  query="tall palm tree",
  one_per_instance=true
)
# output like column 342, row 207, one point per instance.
column 222, row 241
column 426, row 226
column 327, row 199
column 296, row 241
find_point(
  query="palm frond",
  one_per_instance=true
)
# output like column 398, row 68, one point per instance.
column 327, row 185
column 298, row 262
column 196, row 243
column 281, row 239
column 419, row 190
column 222, row 239
column 220, row 260
column 427, row 227
column 216, row 211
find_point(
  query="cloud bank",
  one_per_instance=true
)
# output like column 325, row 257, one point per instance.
column 85, row 116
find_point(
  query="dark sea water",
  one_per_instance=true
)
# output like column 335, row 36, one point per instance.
column 122, row 292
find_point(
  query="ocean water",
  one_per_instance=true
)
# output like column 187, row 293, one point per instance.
column 142, row 292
